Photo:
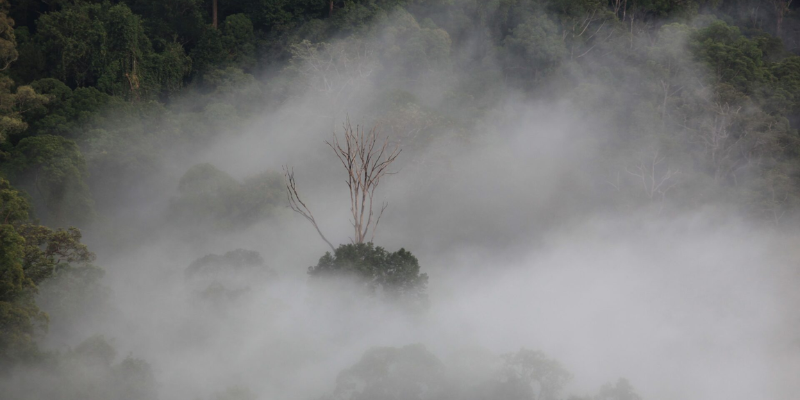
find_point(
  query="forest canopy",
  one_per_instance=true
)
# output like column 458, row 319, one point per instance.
column 682, row 104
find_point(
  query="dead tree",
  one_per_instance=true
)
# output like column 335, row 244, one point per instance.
column 366, row 160
column 655, row 182
column 720, row 141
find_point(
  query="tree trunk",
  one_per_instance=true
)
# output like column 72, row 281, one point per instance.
column 214, row 14
column 781, row 8
column 330, row 8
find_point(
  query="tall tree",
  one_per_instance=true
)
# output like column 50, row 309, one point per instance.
column 781, row 8
column 29, row 254
column 214, row 13
column 366, row 161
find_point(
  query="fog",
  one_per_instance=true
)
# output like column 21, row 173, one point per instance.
column 513, row 229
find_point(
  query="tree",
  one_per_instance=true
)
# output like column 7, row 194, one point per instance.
column 389, row 373
column 781, row 8
column 731, row 57
column 533, row 47
column 14, row 105
column 52, row 169
column 222, row 278
column 581, row 22
column 238, row 38
column 366, row 162
column 208, row 195
column 231, row 46
column 622, row 390
column 533, row 372
column 214, row 13
column 19, row 316
column 29, row 254
column 69, row 113
column 337, row 69
column 90, row 370
column 8, row 42
column 396, row 274
column 176, row 20
column 232, row 262
column 106, row 46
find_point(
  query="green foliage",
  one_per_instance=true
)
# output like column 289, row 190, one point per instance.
column 409, row 48
column 534, row 48
column 396, row 274
column 233, row 261
column 209, row 51
column 53, row 171
column 91, row 97
column 16, row 104
column 14, row 208
column 733, row 58
column 105, row 46
column 71, row 296
column 18, row 313
column 233, row 45
column 412, row 372
column 622, row 390
column 168, row 21
column 68, row 112
column 387, row 373
column 29, row 255
column 665, row 8
column 528, row 369
column 87, row 371
column 233, row 87
column 615, row 59
column 210, row 196
column 219, row 280
column 8, row 41
column 238, row 39
column 47, row 251
column 73, row 40
column 787, row 78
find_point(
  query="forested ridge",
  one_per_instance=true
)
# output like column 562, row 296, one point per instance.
column 698, row 102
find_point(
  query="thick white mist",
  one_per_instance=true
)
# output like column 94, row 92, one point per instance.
column 685, row 305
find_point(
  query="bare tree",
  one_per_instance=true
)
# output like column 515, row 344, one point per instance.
column 333, row 68
column 366, row 160
column 655, row 182
column 720, row 142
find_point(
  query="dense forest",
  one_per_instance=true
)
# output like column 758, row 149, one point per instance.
column 143, row 139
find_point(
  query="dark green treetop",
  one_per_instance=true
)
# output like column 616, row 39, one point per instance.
column 397, row 275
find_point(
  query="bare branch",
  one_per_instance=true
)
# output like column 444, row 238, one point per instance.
column 366, row 161
column 297, row 205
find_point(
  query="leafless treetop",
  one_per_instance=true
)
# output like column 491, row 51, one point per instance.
column 366, row 160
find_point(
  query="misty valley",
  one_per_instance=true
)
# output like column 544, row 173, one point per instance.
column 399, row 199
